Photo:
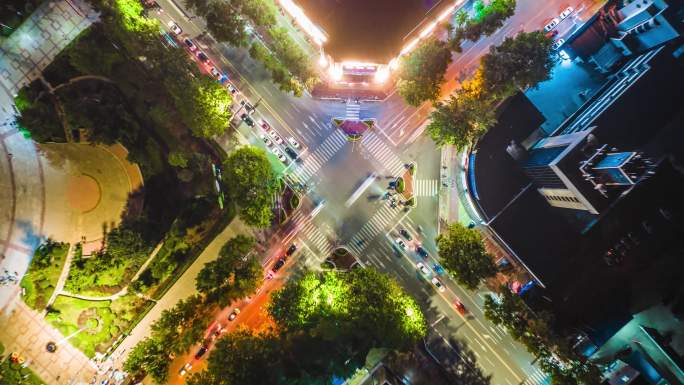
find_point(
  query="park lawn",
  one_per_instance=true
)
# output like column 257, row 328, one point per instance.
column 88, row 277
column 14, row 374
column 39, row 282
column 102, row 321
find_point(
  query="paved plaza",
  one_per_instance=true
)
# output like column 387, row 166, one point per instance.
column 25, row 192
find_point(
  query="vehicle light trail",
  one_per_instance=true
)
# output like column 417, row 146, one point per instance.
column 364, row 186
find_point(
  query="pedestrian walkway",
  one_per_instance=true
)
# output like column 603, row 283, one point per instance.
column 315, row 160
column 33, row 46
column 376, row 225
column 536, row 378
column 353, row 111
column 382, row 153
column 312, row 235
column 426, row 188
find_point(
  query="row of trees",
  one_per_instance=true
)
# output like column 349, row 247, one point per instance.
column 518, row 63
column 325, row 326
column 463, row 255
column 486, row 20
column 233, row 275
column 201, row 102
column 227, row 21
column 421, row 73
column 535, row 330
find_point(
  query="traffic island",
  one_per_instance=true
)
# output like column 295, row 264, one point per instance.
column 341, row 259
column 404, row 186
column 353, row 129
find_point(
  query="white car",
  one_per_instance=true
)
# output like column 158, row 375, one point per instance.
column 293, row 142
column 266, row 140
column 275, row 136
column 557, row 44
column 438, row 284
column 564, row 55
column 423, row 269
column 567, row 12
column 233, row 90
column 551, row 25
column 185, row 369
column 280, row 155
column 400, row 243
column 234, row 314
column 215, row 72
column 175, row 28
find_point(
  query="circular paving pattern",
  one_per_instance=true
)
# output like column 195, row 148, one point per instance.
column 83, row 193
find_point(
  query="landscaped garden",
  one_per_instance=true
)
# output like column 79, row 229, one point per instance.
column 14, row 374
column 93, row 325
column 161, row 112
column 39, row 282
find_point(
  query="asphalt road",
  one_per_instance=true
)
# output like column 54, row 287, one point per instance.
column 333, row 169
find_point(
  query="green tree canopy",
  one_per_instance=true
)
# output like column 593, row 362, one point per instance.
column 421, row 73
column 178, row 329
column 184, row 324
column 487, row 20
column 462, row 253
column 242, row 357
column 261, row 12
column 232, row 275
column 535, row 331
column 250, row 183
column 366, row 307
column 39, row 118
column 203, row 105
column 150, row 356
column 518, row 63
column 326, row 324
column 465, row 117
column 225, row 23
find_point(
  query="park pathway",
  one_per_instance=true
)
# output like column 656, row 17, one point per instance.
column 23, row 56
column 183, row 288
column 62, row 277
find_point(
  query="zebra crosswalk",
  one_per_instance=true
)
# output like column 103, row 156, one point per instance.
column 377, row 224
column 382, row 153
column 425, row 187
column 312, row 235
column 536, row 378
column 315, row 160
column 353, row 111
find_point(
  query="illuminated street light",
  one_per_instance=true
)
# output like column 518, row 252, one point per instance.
column 335, row 72
column 303, row 21
column 322, row 61
column 382, row 74
column 428, row 30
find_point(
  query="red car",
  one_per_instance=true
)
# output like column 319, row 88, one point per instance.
column 459, row 307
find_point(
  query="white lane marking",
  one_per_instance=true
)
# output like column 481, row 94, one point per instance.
column 437, row 320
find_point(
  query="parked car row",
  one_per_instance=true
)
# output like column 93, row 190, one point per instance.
column 202, row 57
column 550, row 30
column 270, row 137
column 556, row 20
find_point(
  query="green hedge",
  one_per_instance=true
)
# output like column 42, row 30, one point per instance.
column 400, row 185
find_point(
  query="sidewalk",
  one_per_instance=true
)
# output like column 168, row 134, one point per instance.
column 26, row 332
column 183, row 288
column 451, row 208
